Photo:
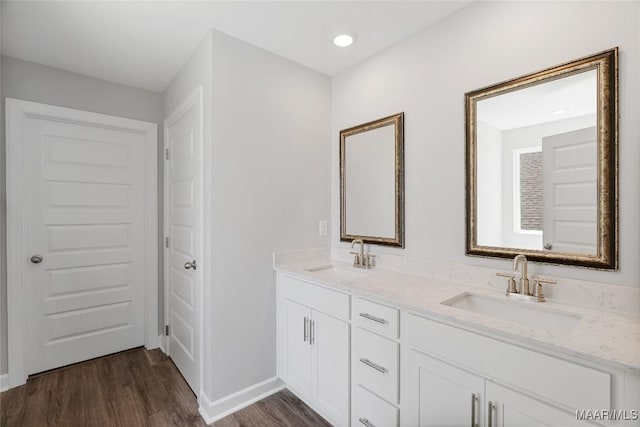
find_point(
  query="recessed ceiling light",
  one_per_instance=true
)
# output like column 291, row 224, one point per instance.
column 559, row 112
column 343, row 40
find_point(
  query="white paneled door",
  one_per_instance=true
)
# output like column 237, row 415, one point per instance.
column 570, row 176
column 84, row 221
column 183, row 147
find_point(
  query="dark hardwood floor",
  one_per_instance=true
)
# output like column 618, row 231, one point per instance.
column 132, row 388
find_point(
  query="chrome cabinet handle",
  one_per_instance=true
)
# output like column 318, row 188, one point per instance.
column 312, row 337
column 365, row 422
column 37, row 259
column 306, row 325
column 473, row 410
column 190, row 265
column 374, row 318
column 490, row 414
column 374, row 366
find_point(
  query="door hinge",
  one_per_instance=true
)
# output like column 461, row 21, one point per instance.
column 166, row 242
column 166, row 330
column 166, row 153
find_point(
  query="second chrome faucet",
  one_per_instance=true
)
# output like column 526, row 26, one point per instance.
column 361, row 259
column 524, row 277
column 524, row 291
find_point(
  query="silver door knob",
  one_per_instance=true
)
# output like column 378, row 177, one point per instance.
column 190, row 265
column 548, row 246
column 36, row 259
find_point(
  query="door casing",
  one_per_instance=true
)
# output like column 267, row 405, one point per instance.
column 17, row 307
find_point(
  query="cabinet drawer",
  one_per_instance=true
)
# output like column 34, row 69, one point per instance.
column 565, row 383
column 370, row 411
column 376, row 317
column 375, row 364
column 314, row 296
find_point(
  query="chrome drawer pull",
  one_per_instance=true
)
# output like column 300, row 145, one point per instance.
column 374, row 318
column 306, row 324
column 365, row 422
column 374, row 366
column 490, row 415
column 473, row 410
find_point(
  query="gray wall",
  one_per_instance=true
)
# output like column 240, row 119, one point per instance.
column 37, row 83
column 427, row 75
column 198, row 72
column 271, row 185
column 266, row 126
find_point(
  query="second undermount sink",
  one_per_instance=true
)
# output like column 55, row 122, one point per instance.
column 330, row 271
column 521, row 312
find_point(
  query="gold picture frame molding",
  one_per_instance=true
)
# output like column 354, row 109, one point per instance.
column 397, row 120
column 606, row 64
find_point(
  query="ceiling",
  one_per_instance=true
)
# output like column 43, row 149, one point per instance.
column 560, row 99
column 145, row 43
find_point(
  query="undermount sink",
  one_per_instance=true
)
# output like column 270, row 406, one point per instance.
column 522, row 312
column 330, row 271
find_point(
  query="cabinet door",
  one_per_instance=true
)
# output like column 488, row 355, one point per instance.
column 330, row 341
column 439, row 394
column 297, row 348
column 511, row 408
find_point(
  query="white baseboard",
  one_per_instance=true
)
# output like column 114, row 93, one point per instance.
column 213, row 411
column 4, row 382
column 153, row 344
column 162, row 343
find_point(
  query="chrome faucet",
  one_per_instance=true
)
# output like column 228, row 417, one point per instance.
column 358, row 255
column 525, row 292
column 361, row 259
column 524, row 278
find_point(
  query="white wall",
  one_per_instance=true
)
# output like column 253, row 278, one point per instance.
column 427, row 75
column 266, row 125
column 270, row 166
column 37, row 83
column 489, row 185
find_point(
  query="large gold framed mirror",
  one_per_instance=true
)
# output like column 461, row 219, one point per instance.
column 542, row 165
column 372, row 182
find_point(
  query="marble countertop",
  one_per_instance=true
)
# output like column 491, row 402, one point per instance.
column 605, row 337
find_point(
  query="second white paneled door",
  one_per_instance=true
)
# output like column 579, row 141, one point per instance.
column 571, row 191
column 183, row 148
column 79, row 240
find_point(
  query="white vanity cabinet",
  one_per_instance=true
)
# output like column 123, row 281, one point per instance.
column 440, row 394
column 375, row 364
column 298, row 351
column 448, row 368
column 510, row 408
column 360, row 362
column 313, row 346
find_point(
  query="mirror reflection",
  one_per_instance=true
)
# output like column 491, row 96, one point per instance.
column 371, row 178
column 542, row 165
column 537, row 166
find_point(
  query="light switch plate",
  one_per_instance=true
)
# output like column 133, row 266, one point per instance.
column 322, row 227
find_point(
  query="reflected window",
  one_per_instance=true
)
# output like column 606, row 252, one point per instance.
column 529, row 192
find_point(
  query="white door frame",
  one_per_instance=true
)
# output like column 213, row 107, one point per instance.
column 194, row 99
column 17, row 301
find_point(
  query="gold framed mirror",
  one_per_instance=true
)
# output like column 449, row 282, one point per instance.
column 542, row 165
column 372, row 182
